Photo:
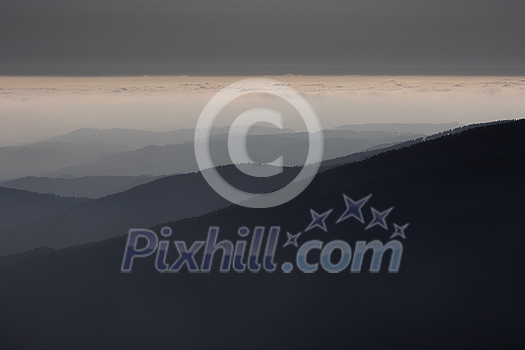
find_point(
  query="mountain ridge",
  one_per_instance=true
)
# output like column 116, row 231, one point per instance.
column 459, row 273
column 98, row 217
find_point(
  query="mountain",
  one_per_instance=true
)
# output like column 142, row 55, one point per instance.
column 140, row 206
column 19, row 207
column 372, row 151
column 87, row 187
column 34, row 159
column 23, row 255
column 145, row 205
column 459, row 286
column 167, row 198
column 381, row 148
column 136, row 139
column 180, row 158
column 78, row 148
column 417, row 128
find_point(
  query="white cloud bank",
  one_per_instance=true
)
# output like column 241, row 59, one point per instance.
column 34, row 108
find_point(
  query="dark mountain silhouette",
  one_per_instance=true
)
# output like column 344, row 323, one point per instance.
column 359, row 156
column 19, row 207
column 172, row 159
column 167, row 199
column 88, row 187
column 459, row 285
column 145, row 206
column 417, row 128
column 34, row 159
column 23, row 255
column 382, row 148
column 142, row 206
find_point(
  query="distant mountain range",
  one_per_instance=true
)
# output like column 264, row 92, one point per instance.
column 166, row 199
column 42, row 157
column 136, row 139
column 460, row 275
column 124, row 152
column 100, row 186
column 180, row 158
column 140, row 206
column 87, row 186
column 161, row 200
column 97, row 220
column 19, row 207
column 416, row 128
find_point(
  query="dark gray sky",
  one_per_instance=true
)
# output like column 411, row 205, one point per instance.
column 237, row 37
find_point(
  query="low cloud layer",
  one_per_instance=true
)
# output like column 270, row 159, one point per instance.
column 38, row 107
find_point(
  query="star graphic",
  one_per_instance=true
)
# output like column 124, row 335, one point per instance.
column 379, row 218
column 353, row 208
column 400, row 231
column 318, row 220
column 292, row 239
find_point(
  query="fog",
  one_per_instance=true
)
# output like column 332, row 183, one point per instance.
column 35, row 108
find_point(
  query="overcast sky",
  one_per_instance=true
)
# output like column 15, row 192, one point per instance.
column 237, row 37
column 419, row 58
